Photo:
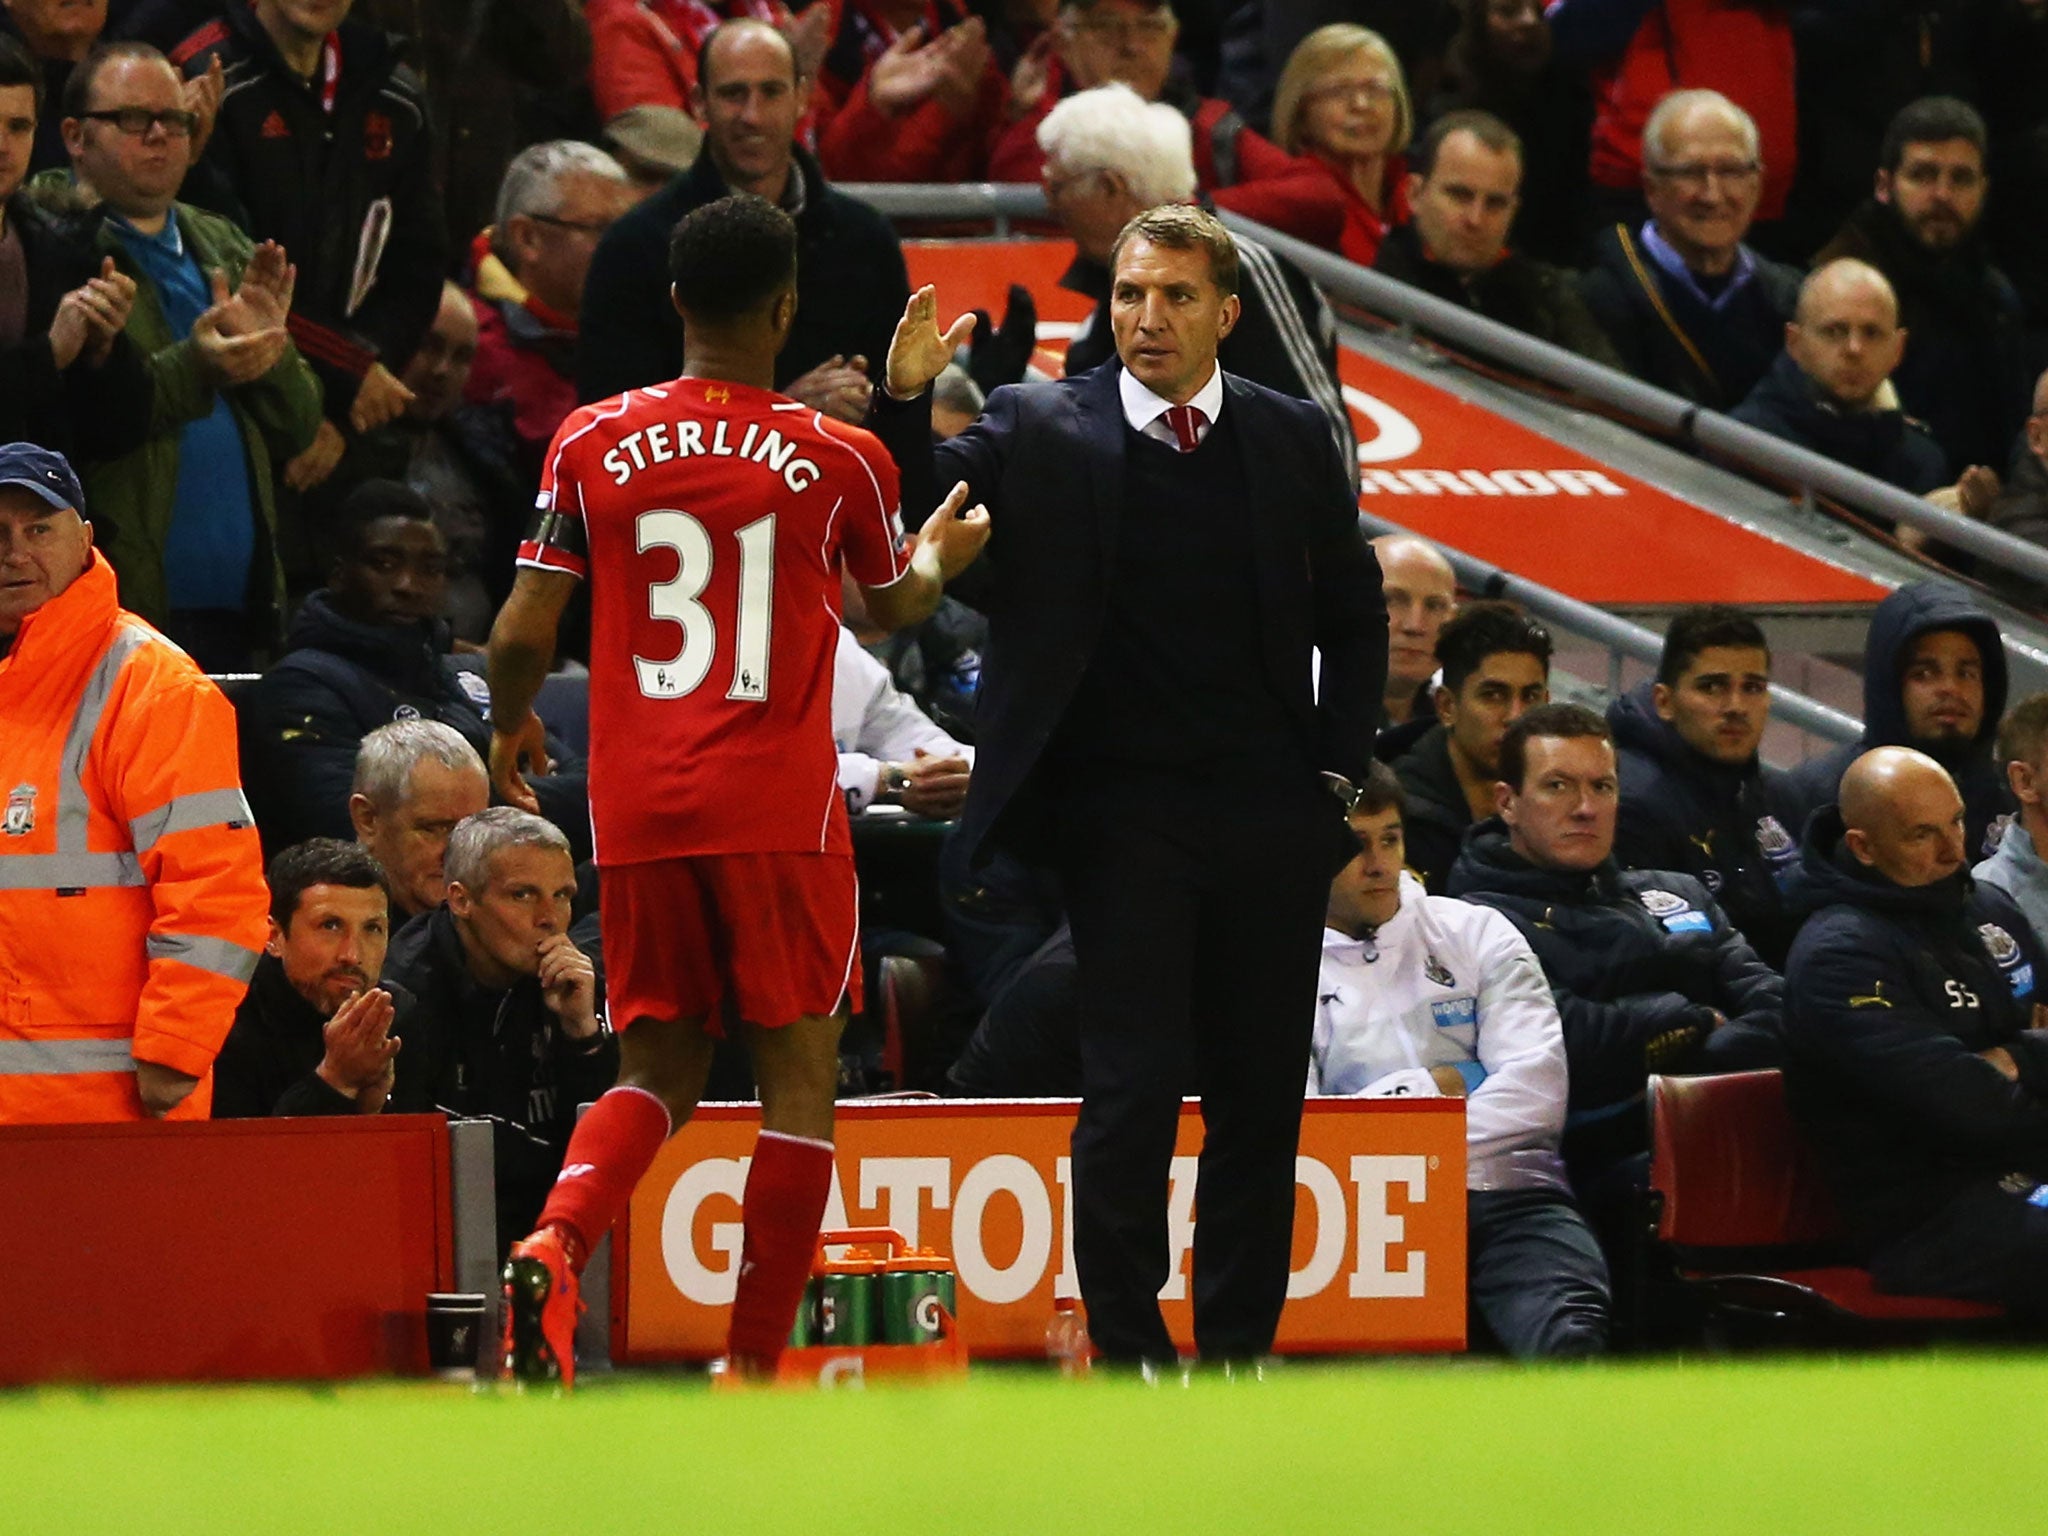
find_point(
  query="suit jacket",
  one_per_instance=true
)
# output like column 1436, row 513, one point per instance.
column 1048, row 462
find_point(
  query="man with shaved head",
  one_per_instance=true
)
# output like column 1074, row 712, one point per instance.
column 1912, row 1057
column 1422, row 595
column 1830, row 389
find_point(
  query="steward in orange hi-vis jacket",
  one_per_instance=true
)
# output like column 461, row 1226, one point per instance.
column 132, row 902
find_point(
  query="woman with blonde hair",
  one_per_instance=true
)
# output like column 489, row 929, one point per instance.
column 1341, row 108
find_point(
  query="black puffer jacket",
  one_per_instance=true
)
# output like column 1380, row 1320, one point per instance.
column 1912, row 611
column 270, row 1063
column 1889, row 994
column 1889, row 445
column 1532, row 296
column 304, row 720
column 1640, row 962
column 1681, row 810
column 1438, row 814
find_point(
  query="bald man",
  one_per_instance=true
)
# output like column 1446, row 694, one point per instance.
column 1422, row 595
column 1830, row 389
column 1912, row 1057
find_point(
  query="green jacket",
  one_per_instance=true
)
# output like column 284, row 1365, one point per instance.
column 132, row 498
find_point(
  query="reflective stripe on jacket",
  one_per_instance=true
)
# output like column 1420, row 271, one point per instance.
column 132, row 901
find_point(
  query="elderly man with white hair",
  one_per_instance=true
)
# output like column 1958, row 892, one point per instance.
column 1689, row 307
column 1109, row 156
column 554, row 205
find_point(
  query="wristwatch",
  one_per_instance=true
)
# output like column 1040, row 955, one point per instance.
column 895, row 780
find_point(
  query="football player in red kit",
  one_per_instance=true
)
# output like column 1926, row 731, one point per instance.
column 711, row 517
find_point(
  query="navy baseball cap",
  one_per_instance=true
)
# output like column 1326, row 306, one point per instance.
column 48, row 474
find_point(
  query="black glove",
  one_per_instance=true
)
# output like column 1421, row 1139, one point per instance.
column 998, row 357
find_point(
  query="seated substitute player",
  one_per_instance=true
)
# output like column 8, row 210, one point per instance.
column 725, row 864
column 1426, row 996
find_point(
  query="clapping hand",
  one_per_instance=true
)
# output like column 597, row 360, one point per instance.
column 810, row 34
column 838, row 386
column 999, row 355
column 359, row 1046
column 919, row 352
column 203, row 95
column 91, row 315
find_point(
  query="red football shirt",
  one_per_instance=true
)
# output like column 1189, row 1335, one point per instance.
column 711, row 519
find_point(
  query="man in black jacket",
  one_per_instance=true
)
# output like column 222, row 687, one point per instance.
column 1966, row 373
column 1934, row 679
column 1649, row 974
column 323, row 144
column 1694, row 794
column 511, row 1020
column 313, row 1034
column 367, row 649
column 851, row 282
column 1463, row 189
column 1496, row 666
column 1913, row 1058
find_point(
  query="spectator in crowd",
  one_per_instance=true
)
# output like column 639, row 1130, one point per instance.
column 1831, row 391
column 511, row 1011
column 1496, row 666
column 2021, row 505
column 54, row 35
column 1966, row 373
column 1689, row 307
column 1128, row 42
column 914, row 92
column 191, row 515
column 2018, row 867
column 131, row 882
column 70, row 379
column 555, row 204
column 1422, row 596
column 1425, row 997
column 1649, row 974
column 956, row 401
column 1463, row 190
column 1108, row 157
column 654, row 144
column 1695, row 797
column 313, row 1035
column 1934, row 679
column 647, row 52
column 1639, row 53
column 890, row 751
column 851, row 282
column 1905, row 975
column 367, row 649
column 415, row 782
column 1342, row 109
column 341, row 174
column 1261, row 36
column 498, row 75
column 1502, row 62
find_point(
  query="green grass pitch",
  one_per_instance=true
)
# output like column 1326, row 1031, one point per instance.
column 1938, row 1444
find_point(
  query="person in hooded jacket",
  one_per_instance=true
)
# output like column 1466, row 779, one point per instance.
column 1913, row 1064
column 1934, row 679
column 1694, row 795
column 1648, row 973
column 367, row 649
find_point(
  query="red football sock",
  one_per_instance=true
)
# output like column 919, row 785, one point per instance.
column 612, row 1147
column 783, row 1206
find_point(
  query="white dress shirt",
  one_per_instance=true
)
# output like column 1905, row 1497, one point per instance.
column 1146, row 412
column 874, row 722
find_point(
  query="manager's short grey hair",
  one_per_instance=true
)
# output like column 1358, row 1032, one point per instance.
column 386, row 759
column 478, row 839
column 1113, row 128
column 1657, row 130
column 531, row 183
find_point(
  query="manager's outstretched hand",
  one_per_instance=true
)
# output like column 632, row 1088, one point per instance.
column 919, row 352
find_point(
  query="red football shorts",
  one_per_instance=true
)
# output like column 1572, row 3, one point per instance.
column 775, row 936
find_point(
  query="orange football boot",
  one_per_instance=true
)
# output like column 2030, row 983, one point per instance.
column 542, row 1301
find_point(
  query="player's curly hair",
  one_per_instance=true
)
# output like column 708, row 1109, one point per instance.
column 730, row 257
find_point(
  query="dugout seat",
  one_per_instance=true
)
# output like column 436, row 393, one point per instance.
column 910, row 988
column 1741, row 1220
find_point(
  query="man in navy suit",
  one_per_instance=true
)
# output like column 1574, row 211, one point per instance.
column 1172, row 544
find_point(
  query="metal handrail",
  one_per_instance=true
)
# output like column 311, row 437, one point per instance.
column 1617, row 634
column 1710, row 431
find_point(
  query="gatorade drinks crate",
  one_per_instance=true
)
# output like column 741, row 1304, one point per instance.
column 881, row 1310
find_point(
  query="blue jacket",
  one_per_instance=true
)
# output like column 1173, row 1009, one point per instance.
column 1890, row 993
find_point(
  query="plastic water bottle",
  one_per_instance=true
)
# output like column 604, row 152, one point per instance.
column 1066, row 1337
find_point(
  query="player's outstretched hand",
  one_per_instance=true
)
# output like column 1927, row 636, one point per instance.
column 524, row 746
column 950, row 539
column 919, row 351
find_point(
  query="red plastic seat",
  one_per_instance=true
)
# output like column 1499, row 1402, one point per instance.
column 1735, row 1188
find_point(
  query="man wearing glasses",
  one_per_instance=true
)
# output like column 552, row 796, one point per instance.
column 189, row 518
column 323, row 145
column 1687, row 304
column 1966, row 373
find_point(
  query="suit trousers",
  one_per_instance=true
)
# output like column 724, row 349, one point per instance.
column 1196, row 906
